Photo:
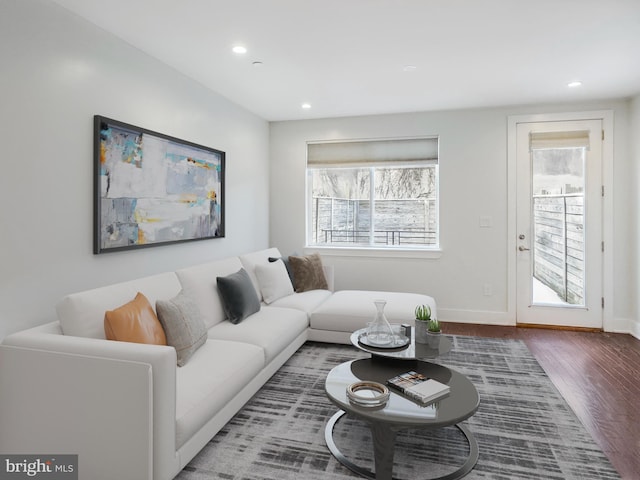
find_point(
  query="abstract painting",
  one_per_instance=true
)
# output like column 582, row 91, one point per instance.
column 152, row 189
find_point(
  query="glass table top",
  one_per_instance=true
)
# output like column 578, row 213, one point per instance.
column 412, row 351
column 458, row 405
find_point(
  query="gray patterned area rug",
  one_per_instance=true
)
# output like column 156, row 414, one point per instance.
column 524, row 428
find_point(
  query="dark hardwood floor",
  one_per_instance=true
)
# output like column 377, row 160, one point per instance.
column 597, row 373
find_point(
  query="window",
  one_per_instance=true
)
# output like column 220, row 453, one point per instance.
column 558, row 177
column 378, row 193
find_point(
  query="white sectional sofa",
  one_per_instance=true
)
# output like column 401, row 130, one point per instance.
column 127, row 409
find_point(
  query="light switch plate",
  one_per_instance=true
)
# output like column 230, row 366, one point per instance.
column 486, row 221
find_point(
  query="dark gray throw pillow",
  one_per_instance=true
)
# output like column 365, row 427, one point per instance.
column 239, row 298
column 183, row 325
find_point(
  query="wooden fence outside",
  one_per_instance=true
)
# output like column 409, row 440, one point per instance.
column 559, row 244
column 397, row 222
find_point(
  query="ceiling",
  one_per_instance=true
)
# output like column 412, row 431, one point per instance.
column 348, row 57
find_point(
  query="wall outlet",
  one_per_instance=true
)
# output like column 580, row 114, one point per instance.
column 487, row 289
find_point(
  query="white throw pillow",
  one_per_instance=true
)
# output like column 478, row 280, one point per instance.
column 274, row 281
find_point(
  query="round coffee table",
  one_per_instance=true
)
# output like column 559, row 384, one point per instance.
column 412, row 351
column 400, row 412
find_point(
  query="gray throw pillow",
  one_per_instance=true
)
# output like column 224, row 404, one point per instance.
column 183, row 325
column 239, row 298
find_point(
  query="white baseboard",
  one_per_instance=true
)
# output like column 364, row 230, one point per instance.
column 635, row 329
column 622, row 325
column 475, row 316
column 480, row 317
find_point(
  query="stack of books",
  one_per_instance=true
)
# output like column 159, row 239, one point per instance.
column 418, row 387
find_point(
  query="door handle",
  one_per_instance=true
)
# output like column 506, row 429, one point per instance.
column 523, row 249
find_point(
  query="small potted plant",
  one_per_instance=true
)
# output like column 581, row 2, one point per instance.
column 423, row 317
column 433, row 333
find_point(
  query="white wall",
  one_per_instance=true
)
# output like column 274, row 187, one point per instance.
column 56, row 72
column 634, row 199
column 473, row 183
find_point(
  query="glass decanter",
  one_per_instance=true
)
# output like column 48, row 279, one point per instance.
column 379, row 331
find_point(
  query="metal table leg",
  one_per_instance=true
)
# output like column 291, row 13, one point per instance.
column 467, row 466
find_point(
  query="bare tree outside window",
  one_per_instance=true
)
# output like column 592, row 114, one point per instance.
column 374, row 206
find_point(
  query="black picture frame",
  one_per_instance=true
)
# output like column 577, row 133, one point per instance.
column 152, row 189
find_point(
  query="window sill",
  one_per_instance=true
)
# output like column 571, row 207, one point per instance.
column 375, row 252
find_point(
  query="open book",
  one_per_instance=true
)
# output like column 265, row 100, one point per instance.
column 418, row 387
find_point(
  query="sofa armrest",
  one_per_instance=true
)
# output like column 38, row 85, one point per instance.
column 100, row 396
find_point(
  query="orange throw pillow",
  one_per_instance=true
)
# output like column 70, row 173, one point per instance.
column 134, row 322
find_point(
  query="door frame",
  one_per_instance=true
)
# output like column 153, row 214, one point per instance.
column 606, row 116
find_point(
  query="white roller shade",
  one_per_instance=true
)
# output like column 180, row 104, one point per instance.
column 547, row 140
column 373, row 152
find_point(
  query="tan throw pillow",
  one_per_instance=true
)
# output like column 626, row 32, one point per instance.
column 308, row 273
column 134, row 322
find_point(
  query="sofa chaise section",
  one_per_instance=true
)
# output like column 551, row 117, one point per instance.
column 349, row 310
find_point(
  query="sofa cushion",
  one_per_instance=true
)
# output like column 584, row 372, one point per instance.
column 136, row 322
column 82, row 314
column 272, row 329
column 212, row 378
column 250, row 260
column 239, row 298
column 308, row 273
column 183, row 325
column 200, row 283
column 349, row 310
column 274, row 281
column 305, row 301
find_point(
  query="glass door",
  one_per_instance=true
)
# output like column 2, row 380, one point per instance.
column 559, row 223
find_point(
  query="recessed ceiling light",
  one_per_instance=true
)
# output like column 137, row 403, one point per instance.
column 306, row 106
column 574, row 84
column 239, row 49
